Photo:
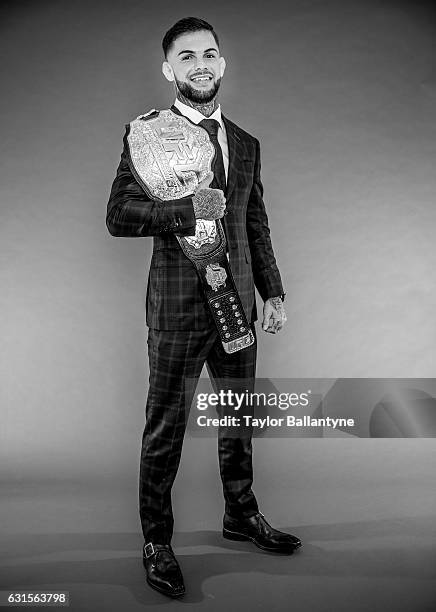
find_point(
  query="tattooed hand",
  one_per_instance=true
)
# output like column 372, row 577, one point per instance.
column 274, row 315
column 208, row 203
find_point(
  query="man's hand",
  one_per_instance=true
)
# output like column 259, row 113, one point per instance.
column 209, row 204
column 274, row 315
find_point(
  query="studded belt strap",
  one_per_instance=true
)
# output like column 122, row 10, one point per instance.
column 220, row 292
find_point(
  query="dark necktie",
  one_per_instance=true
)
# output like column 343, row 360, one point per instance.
column 219, row 181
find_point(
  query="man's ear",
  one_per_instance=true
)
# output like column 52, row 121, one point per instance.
column 222, row 65
column 167, row 71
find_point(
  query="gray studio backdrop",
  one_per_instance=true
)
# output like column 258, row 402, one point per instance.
column 342, row 96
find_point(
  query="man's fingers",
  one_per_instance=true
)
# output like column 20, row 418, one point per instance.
column 268, row 325
column 221, row 195
column 273, row 324
column 273, row 329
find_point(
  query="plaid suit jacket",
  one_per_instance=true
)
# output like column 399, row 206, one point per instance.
column 174, row 297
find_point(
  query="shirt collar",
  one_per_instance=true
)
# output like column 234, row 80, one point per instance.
column 195, row 116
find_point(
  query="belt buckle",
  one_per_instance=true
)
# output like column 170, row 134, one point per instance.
column 147, row 548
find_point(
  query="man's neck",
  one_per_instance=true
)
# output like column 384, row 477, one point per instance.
column 205, row 108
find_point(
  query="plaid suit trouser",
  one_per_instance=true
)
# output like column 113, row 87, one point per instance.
column 174, row 357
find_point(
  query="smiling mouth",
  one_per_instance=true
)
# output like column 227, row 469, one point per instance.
column 202, row 78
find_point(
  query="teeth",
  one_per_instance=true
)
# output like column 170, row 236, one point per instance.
column 205, row 78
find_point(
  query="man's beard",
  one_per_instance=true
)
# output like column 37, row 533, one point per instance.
column 198, row 96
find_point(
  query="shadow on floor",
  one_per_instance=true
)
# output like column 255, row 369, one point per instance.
column 398, row 548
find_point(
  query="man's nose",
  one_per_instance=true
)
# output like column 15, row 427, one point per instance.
column 200, row 63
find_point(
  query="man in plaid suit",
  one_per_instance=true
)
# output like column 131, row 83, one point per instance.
column 182, row 334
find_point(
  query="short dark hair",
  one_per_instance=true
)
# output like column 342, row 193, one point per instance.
column 187, row 24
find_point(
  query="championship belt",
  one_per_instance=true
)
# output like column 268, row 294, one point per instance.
column 169, row 157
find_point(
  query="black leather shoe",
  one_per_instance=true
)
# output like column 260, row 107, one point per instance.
column 163, row 571
column 260, row 533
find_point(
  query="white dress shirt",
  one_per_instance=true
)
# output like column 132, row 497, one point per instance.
column 195, row 116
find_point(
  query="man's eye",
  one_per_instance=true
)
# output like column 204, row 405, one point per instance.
column 210, row 55
column 186, row 57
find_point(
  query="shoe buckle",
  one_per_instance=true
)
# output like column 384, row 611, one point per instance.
column 149, row 550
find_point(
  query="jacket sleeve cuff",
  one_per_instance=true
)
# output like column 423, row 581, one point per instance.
column 185, row 217
column 178, row 217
